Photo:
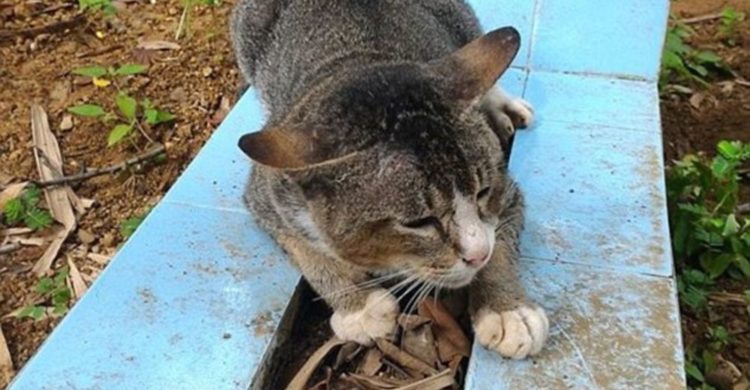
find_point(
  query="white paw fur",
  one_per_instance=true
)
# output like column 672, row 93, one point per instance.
column 514, row 334
column 520, row 111
column 377, row 319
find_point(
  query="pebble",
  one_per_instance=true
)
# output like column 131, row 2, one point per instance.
column 66, row 123
column 85, row 236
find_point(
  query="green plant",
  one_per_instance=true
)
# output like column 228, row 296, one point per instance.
column 98, row 5
column 25, row 208
column 693, row 287
column 730, row 19
column 129, row 226
column 55, row 292
column 682, row 62
column 696, row 364
column 127, row 116
column 703, row 195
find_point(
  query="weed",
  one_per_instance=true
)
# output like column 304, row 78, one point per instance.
column 25, row 208
column 730, row 19
column 129, row 226
column 681, row 62
column 127, row 116
column 98, row 5
column 707, row 230
column 55, row 292
column 693, row 287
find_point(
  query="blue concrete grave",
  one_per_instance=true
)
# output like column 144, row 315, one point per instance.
column 197, row 297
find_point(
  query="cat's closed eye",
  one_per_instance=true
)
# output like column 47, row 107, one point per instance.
column 483, row 193
column 422, row 223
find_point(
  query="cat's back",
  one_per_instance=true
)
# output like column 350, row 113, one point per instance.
column 312, row 39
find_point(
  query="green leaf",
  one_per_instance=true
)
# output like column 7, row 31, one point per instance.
column 730, row 150
column 694, row 372
column 716, row 265
column 130, row 225
column 91, row 71
column 61, row 297
column 37, row 218
column 31, row 196
column 35, row 312
column 87, row 110
column 127, row 105
column 14, row 211
column 731, row 226
column 130, row 69
column 708, row 57
column 118, row 133
column 45, row 286
column 743, row 264
column 154, row 116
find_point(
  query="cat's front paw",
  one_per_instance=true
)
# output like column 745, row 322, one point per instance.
column 521, row 113
column 377, row 319
column 515, row 334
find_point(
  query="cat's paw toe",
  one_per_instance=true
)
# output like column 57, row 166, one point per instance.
column 520, row 112
column 515, row 334
column 377, row 319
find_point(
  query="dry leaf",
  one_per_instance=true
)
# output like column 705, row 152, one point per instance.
column 411, row 321
column 697, row 99
column 79, row 286
column 439, row 381
column 157, row 45
column 49, row 164
column 372, row 362
column 373, row 382
column 404, row 359
column 15, row 232
column 346, row 354
column 11, row 192
column 99, row 258
column 451, row 340
column 299, row 382
column 6, row 363
column 31, row 241
column 225, row 105
column 420, row 342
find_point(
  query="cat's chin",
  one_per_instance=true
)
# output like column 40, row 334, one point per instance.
column 458, row 281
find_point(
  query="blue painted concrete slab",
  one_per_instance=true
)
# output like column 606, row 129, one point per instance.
column 622, row 37
column 594, row 195
column 190, row 302
column 608, row 330
column 594, row 100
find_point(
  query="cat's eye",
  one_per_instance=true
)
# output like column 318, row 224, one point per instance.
column 422, row 223
column 483, row 193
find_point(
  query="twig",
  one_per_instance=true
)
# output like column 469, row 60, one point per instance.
column 10, row 248
column 53, row 8
column 701, row 18
column 742, row 82
column 50, row 28
column 144, row 133
column 98, row 52
column 183, row 18
column 153, row 152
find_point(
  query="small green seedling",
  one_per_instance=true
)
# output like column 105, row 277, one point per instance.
column 25, row 208
column 54, row 292
column 129, row 226
column 98, row 5
column 730, row 19
column 693, row 287
column 681, row 62
column 708, row 231
column 127, row 116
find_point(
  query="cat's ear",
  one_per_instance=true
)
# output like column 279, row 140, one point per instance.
column 283, row 148
column 473, row 69
column 289, row 148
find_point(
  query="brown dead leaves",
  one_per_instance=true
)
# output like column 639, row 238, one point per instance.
column 426, row 354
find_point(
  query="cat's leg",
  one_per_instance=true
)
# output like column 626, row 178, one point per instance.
column 504, row 319
column 361, row 314
column 505, row 113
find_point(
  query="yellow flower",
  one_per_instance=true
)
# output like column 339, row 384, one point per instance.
column 101, row 83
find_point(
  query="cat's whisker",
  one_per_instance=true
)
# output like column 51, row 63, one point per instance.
column 362, row 286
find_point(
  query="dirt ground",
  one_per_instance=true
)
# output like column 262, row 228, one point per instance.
column 196, row 82
column 723, row 114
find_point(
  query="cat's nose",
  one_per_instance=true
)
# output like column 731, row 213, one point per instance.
column 476, row 259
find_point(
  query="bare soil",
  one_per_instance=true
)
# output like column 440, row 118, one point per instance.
column 196, row 82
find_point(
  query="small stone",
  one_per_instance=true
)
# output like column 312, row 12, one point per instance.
column 85, row 236
column 227, row 336
column 66, row 123
column 178, row 94
column 108, row 240
column 207, row 71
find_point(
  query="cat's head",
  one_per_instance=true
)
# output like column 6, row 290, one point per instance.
column 399, row 168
